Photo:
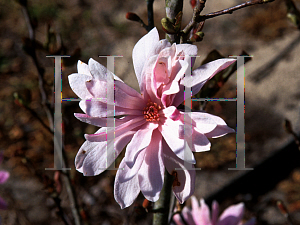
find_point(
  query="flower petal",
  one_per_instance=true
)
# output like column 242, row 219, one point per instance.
column 77, row 83
column 122, row 93
column 3, row 176
column 199, row 142
column 146, row 47
column 151, row 173
column 100, row 72
column 221, row 128
column 125, row 192
column 119, row 130
column 232, row 215
column 3, row 205
column 101, row 122
column 127, row 172
column 83, row 68
column 98, row 108
column 203, row 214
column 140, row 140
column 206, row 72
column 92, row 158
column 185, row 185
column 200, row 76
column 215, row 212
column 170, row 131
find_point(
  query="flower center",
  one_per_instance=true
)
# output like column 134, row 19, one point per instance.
column 151, row 111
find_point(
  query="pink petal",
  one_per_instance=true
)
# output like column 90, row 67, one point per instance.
column 215, row 212
column 98, row 108
column 122, row 94
column 3, row 205
column 77, row 84
column 206, row 72
column 189, row 50
column 83, row 68
column 140, row 141
column 3, row 176
column 200, row 76
column 119, row 130
column 126, row 192
column 177, row 219
column 92, row 158
column 187, row 216
column 204, row 214
column 170, row 131
column 173, row 87
column 101, row 122
column 232, row 215
column 185, row 186
column 195, row 204
column 151, row 173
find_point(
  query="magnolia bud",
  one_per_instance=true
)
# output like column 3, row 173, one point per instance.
column 168, row 26
column 133, row 17
column 193, row 3
column 198, row 36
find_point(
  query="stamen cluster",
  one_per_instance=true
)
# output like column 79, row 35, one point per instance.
column 151, row 111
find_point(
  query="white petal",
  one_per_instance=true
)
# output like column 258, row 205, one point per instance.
column 100, row 72
column 93, row 157
column 126, row 192
column 170, row 131
column 83, row 68
column 77, row 84
column 143, row 50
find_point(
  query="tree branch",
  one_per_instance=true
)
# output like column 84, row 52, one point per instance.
column 231, row 9
column 173, row 8
column 150, row 15
column 32, row 52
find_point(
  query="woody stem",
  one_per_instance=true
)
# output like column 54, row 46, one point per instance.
column 161, row 210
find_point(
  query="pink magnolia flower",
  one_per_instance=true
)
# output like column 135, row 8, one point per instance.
column 148, row 122
column 3, row 178
column 200, row 215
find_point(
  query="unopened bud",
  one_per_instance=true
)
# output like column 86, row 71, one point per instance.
column 198, row 36
column 133, row 17
column 293, row 18
column 168, row 26
column 193, row 3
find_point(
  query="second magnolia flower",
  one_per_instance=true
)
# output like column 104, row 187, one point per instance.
column 148, row 122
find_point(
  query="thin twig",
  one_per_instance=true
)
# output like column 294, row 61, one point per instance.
column 288, row 127
column 162, row 205
column 150, row 14
column 231, row 9
column 34, row 114
column 173, row 8
column 197, row 18
column 40, row 70
column 49, row 112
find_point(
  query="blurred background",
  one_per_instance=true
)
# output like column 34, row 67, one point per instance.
column 86, row 29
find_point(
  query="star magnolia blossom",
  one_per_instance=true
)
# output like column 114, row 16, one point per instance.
column 200, row 215
column 148, row 122
column 3, row 178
